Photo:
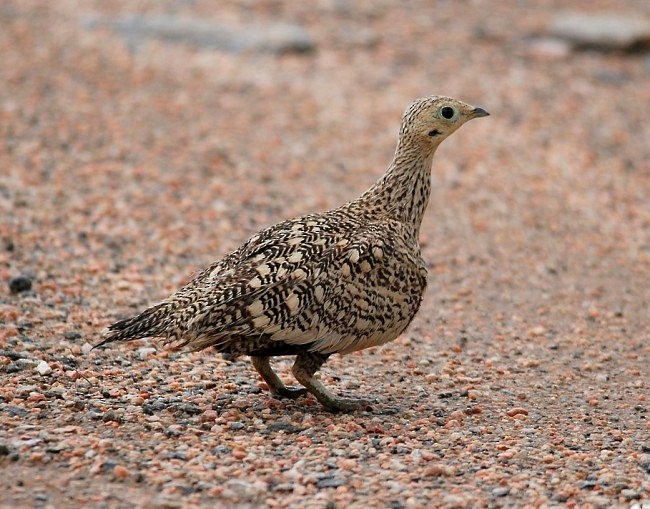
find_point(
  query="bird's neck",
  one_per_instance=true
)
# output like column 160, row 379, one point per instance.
column 403, row 192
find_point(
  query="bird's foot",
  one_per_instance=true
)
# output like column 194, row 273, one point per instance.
column 289, row 392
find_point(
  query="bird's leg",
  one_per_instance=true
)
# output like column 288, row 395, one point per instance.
column 307, row 363
column 263, row 367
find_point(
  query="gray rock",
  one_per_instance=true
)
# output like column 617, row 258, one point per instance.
column 269, row 38
column 330, row 482
column 44, row 368
column 630, row 494
column 20, row 284
column 606, row 31
column 501, row 491
column 246, row 490
column 145, row 352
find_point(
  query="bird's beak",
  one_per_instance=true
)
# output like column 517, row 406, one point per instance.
column 479, row 112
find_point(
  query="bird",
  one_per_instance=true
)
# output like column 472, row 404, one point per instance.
column 338, row 281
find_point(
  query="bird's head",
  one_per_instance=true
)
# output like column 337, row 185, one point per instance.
column 429, row 120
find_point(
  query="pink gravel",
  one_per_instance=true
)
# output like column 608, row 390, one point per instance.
column 126, row 165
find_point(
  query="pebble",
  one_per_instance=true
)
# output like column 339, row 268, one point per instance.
column 247, row 490
column 120, row 472
column 43, row 368
column 537, row 331
column 330, row 482
column 112, row 416
column 501, row 491
column 145, row 352
column 629, row 494
column 437, row 470
column 174, row 430
column 517, row 411
column 20, row 284
column 208, row 416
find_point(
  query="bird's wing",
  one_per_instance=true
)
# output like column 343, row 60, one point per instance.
column 254, row 293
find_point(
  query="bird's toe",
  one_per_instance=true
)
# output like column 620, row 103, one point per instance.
column 289, row 392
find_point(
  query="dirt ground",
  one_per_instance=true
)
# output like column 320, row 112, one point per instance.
column 127, row 164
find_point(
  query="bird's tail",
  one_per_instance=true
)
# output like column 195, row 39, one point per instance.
column 152, row 322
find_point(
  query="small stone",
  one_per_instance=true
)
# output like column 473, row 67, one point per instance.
column 630, row 494
column 501, row 491
column 145, row 352
column 587, row 484
column 330, row 482
column 245, row 489
column 187, row 408
column 561, row 496
column 86, row 348
column 4, row 450
column 517, row 411
column 43, row 368
column 37, row 456
column 437, row 470
column 236, row 425
column 20, row 284
column 537, row 331
column 55, row 393
column 108, row 466
column 452, row 500
column 35, row 397
column 239, row 454
column 284, row 426
column 55, row 448
column 120, row 472
column 208, row 416
column 111, row 416
column 174, row 430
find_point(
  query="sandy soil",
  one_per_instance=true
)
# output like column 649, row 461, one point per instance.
column 126, row 166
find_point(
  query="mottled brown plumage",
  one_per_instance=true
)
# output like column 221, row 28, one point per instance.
column 320, row 284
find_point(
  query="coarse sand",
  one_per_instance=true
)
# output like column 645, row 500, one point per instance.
column 127, row 163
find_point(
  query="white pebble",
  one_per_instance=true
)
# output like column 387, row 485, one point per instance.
column 145, row 352
column 86, row 348
column 44, row 368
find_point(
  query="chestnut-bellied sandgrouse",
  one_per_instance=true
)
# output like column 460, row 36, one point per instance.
column 320, row 284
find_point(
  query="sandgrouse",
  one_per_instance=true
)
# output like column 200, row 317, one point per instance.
column 335, row 282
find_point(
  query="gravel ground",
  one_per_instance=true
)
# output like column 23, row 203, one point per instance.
column 128, row 163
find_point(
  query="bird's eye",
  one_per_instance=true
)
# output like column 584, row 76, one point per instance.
column 447, row 112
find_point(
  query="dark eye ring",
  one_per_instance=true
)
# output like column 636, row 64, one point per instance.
column 447, row 112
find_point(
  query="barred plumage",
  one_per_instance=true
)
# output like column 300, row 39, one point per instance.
column 334, row 282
